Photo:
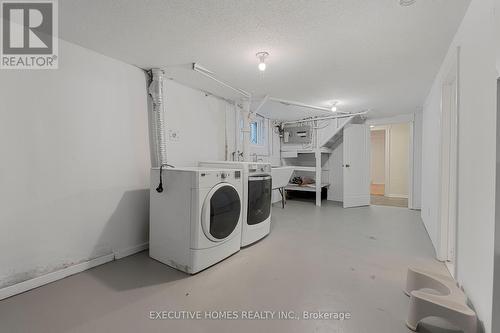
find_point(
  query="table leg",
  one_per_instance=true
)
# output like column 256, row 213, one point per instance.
column 282, row 192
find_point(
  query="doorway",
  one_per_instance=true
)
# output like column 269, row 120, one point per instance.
column 390, row 164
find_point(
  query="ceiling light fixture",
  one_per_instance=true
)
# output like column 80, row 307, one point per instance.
column 334, row 107
column 406, row 3
column 262, row 60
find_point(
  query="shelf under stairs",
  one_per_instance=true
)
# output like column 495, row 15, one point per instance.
column 325, row 139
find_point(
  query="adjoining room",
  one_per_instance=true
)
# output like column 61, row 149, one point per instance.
column 390, row 164
column 217, row 166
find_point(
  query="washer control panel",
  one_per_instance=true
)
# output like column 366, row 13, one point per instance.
column 259, row 168
column 214, row 176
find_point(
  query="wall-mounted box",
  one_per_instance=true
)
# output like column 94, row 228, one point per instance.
column 297, row 134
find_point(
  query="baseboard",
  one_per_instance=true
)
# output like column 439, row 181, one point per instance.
column 21, row 287
column 39, row 281
column 131, row 250
column 404, row 196
column 451, row 268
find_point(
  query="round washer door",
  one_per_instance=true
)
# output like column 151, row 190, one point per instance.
column 221, row 212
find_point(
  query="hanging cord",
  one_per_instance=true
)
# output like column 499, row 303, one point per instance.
column 159, row 189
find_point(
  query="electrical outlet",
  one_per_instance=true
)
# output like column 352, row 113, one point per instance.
column 173, row 135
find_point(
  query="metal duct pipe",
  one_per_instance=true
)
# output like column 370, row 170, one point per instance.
column 246, row 130
column 156, row 91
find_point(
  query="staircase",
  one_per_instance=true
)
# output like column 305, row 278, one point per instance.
column 332, row 132
column 312, row 159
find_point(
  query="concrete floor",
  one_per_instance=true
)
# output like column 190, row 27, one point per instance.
column 328, row 258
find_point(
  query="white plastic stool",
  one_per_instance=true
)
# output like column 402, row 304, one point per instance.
column 436, row 295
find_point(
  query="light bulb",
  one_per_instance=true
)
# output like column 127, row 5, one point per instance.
column 262, row 60
column 333, row 106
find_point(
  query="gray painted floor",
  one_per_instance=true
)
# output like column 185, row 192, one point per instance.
column 327, row 258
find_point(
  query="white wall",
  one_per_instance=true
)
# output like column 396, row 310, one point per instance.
column 200, row 122
column 497, row 34
column 398, row 137
column 496, row 281
column 377, row 156
column 496, row 291
column 476, row 167
column 75, row 163
column 430, row 165
column 417, row 161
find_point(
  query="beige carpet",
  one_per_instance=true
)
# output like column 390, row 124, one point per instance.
column 380, row 200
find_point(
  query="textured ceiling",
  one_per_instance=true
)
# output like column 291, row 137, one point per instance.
column 368, row 54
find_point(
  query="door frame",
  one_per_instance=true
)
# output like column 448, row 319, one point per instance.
column 448, row 186
column 384, row 123
column 496, row 269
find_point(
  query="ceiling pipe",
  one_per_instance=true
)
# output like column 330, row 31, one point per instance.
column 207, row 73
column 299, row 104
column 261, row 104
column 246, row 112
column 337, row 116
column 245, row 130
column 211, row 75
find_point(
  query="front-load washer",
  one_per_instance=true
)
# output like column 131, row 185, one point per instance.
column 257, row 190
column 195, row 221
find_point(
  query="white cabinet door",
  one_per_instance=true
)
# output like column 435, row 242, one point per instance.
column 356, row 165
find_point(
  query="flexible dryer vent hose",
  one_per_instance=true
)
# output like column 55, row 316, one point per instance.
column 156, row 91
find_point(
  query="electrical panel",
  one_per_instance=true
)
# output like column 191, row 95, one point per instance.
column 297, row 134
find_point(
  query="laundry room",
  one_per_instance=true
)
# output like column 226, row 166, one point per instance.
column 274, row 166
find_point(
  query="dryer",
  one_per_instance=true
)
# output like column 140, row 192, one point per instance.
column 257, row 190
column 196, row 221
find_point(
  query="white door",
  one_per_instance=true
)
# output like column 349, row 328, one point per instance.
column 356, row 165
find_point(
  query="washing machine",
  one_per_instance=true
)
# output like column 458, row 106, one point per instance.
column 257, row 189
column 195, row 221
